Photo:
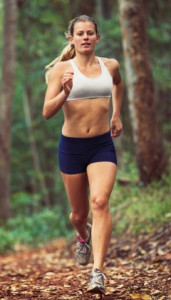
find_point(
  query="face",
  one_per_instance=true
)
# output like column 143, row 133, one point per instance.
column 84, row 37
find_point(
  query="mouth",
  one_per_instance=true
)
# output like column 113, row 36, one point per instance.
column 86, row 44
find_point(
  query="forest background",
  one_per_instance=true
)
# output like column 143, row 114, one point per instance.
column 38, row 204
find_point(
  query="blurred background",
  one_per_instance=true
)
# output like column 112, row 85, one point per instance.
column 33, row 206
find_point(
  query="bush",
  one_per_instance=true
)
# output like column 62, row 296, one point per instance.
column 35, row 229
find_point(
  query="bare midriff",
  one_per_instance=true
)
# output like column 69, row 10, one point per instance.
column 86, row 118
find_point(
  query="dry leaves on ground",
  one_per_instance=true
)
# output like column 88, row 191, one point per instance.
column 136, row 268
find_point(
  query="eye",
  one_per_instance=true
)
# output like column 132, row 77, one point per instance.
column 90, row 33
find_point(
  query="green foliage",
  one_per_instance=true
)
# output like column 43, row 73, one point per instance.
column 159, row 39
column 1, row 31
column 7, row 240
column 136, row 208
column 34, row 229
column 111, row 42
column 21, row 203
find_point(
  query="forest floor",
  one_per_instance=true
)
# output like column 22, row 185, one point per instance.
column 136, row 268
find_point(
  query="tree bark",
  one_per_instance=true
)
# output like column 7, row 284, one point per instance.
column 150, row 155
column 40, row 186
column 78, row 7
column 6, row 98
column 105, row 8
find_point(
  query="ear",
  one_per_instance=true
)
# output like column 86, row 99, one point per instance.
column 70, row 40
column 98, row 38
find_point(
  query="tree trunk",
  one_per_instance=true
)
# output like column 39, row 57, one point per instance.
column 6, row 98
column 39, row 183
column 78, row 7
column 150, row 155
column 105, row 8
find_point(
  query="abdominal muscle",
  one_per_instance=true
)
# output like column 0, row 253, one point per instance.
column 86, row 118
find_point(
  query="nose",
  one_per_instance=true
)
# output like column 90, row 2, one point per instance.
column 85, row 36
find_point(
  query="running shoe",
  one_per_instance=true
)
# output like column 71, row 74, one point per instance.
column 97, row 282
column 83, row 251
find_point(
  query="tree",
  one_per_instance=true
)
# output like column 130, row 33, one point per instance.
column 150, row 155
column 82, row 8
column 40, row 40
column 6, row 98
column 34, row 150
column 105, row 8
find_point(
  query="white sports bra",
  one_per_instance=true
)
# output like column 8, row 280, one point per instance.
column 91, row 87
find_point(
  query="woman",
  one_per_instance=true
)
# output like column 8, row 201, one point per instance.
column 82, row 84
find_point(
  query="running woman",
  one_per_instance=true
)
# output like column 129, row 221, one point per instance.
column 83, row 85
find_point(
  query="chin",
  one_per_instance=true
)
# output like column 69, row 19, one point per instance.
column 87, row 51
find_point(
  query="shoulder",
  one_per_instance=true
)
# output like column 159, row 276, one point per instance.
column 113, row 67
column 59, row 68
column 111, row 63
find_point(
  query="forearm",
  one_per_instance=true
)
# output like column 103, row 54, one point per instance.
column 117, row 99
column 51, row 107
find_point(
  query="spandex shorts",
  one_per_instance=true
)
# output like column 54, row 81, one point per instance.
column 75, row 154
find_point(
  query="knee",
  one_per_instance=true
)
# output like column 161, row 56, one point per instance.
column 100, row 203
column 77, row 218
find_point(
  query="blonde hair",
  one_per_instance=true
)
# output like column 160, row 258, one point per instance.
column 69, row 51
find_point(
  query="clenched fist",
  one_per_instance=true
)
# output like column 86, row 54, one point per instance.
column 67, row 82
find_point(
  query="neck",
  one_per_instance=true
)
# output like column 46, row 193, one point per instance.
column 84, row 60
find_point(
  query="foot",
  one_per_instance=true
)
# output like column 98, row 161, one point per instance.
column 83, row 252
column 97, row 282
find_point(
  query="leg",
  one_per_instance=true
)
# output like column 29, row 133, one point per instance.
column 101, row 176
column 76, row 186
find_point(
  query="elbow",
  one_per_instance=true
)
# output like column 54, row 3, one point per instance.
column 122, row 83
column 45, row 114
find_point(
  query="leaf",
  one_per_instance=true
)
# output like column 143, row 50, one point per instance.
column 140, row 296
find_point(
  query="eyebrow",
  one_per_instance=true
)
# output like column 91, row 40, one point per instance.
column 90, row 30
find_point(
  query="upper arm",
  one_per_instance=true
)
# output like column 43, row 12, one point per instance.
column 54, row 83
column 117, row 76
column 114, row 69
column 116, row 72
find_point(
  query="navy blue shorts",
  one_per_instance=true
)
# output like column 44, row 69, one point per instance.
column 75, row 154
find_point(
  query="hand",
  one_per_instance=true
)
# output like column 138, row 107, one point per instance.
column 116, row 126
column 67, row 82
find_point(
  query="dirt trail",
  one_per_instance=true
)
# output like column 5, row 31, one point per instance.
column 136, row 268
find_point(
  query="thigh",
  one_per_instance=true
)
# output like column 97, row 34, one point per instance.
column 101, row 177
column 76, row 186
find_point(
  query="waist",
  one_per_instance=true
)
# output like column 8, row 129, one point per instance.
column 78, row 145
column 84, row 131
column 87, row 139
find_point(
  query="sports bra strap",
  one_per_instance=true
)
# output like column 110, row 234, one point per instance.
column 102, row 65
column 74, row 65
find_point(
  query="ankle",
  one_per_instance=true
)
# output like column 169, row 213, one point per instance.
column 97, row 270
column 80, row 239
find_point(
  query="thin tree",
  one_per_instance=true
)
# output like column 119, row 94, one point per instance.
column 6, row 99
column 78, row 7
column 105, row 8
column 150, row 155
column 40, row 186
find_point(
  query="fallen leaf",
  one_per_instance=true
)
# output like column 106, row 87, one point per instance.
column 140, row 296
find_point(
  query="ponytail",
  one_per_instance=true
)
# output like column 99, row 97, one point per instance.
column 67, row 53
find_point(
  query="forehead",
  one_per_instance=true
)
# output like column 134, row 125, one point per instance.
column 79, row 26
